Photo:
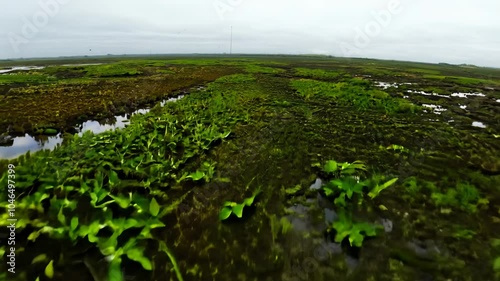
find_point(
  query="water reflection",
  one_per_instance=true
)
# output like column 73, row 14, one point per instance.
column 24, row 68
column 20, row 145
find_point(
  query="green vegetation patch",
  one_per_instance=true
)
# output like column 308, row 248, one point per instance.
column 355, row 92
column 25, row 78
column 319, row 74
column 110, row 70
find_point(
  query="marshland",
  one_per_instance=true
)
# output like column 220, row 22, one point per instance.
column 249, row 168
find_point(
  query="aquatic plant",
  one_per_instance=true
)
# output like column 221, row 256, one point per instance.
column 120, row 179
column 345, row 183
column 464, row 196
column 237, row 208
column 354, row 232
column 354, row 92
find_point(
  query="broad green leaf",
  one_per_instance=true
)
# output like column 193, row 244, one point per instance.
column 74, row 223
column 377, row 189
column 229, row 204
column 33, row 235
column 49, row 270
column 155, row 223
column 136, row 254
column 123, row 202
column 249, row 201
column 328, row 191
column 108, row 246
column 368, row 229
column 330, row 166
column 39, row 258
column 238, row 210
column 196, row 176
column 154, row 208
column 356, row 239
column 225, row 213
column 496, row 264
column 130, row 223
column 343, row 228
column 60, row 217
column 340, row 201
column 336, row 183
column 115, row 271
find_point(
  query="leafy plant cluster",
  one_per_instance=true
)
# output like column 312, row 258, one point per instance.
column 344, row 186
column 98, row 189
column 237, row 208
column 354, row 92
column 464, row 196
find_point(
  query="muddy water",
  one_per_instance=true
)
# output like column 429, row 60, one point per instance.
column 20, row 145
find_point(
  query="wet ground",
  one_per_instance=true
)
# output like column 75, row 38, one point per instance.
column 440, row 221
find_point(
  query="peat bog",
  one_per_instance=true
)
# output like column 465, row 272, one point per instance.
column 260, row 168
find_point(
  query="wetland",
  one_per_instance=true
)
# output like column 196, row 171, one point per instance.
column 250, row 168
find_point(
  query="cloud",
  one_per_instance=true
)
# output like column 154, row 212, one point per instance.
column 432, row 31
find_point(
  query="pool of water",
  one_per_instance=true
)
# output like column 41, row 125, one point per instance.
column 20, row 145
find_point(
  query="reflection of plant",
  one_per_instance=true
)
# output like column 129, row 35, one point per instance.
column 355, row 232
column 235, row 208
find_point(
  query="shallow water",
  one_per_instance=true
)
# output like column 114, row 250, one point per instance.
column 22, row 145
column 479, row 125
column 23, row 68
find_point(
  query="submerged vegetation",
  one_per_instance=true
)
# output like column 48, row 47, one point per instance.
column 235, row 180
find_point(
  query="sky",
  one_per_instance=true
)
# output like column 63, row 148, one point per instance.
column 451, row 31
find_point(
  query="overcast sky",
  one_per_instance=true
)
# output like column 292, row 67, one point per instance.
column 453, row 31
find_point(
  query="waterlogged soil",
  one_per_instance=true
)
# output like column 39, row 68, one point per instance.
column 66, row 101
column 274, row 145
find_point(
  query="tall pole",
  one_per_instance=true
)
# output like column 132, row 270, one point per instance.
column 231, row 44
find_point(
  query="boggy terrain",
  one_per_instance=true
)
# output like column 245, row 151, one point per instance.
column 278, row 168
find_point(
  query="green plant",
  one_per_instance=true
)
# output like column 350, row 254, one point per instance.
column 354, row 232
column 398, row 148
column 235, row 208
column 464, row 196
column 345, row 183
